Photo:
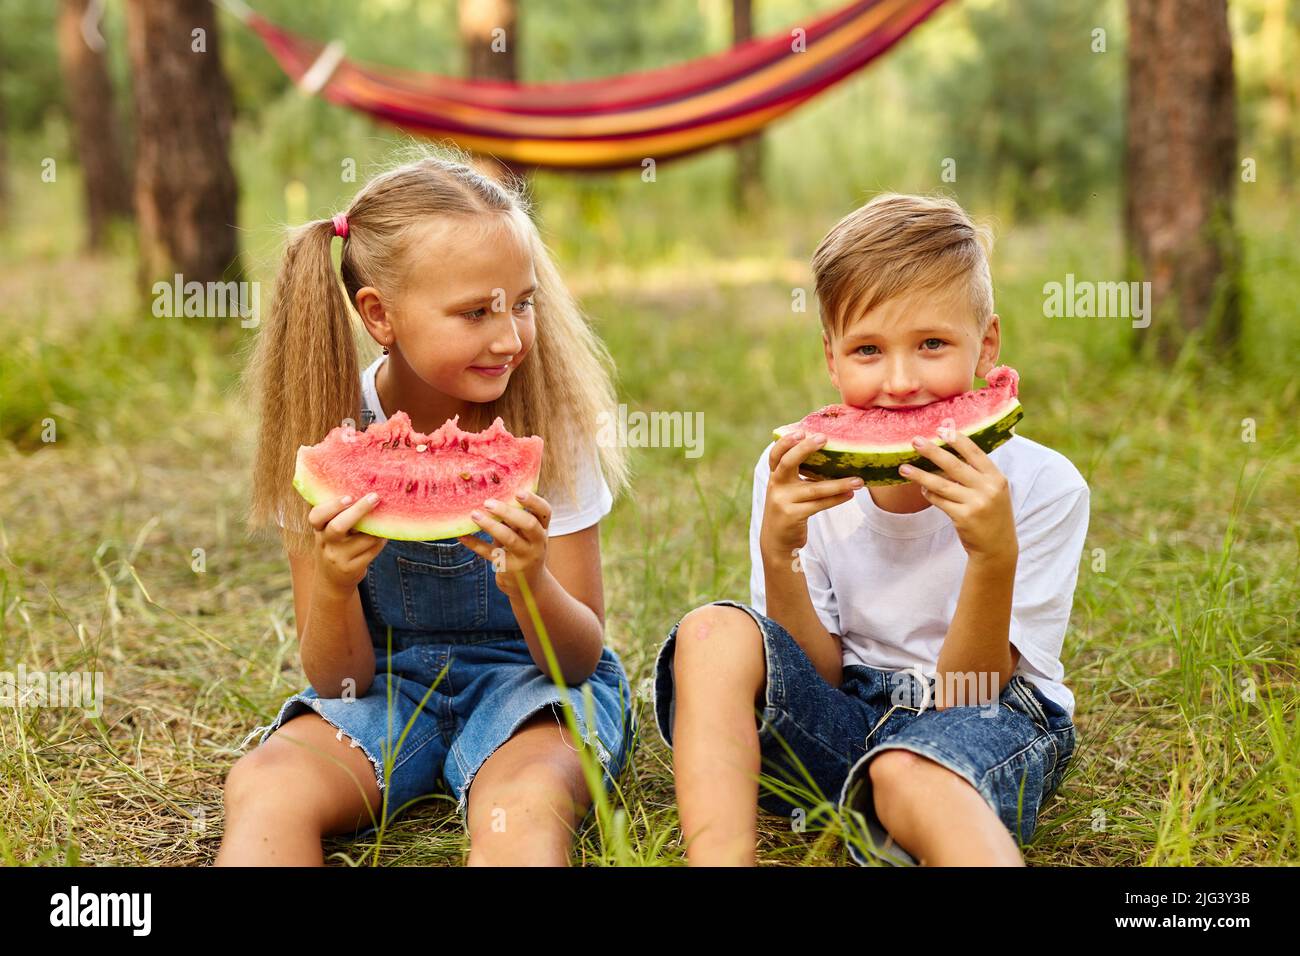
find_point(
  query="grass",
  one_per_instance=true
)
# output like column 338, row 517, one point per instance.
column 122, row 550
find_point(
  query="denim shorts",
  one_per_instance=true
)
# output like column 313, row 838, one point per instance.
column 460, row 674
column 817, row 740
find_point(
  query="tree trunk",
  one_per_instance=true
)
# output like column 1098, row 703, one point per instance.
column 489, row 54
column 1180, row 171
column 94, row 124
column 185, row 189
column 748, row 192
column 489, row 35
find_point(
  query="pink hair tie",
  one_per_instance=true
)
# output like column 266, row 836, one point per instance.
column 341, row 225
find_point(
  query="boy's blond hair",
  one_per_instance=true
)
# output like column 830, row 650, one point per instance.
column 897, row 244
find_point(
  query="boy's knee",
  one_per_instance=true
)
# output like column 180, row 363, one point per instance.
column 721, row 645
column 891, row 767
column 890, row 773
column 714, row 622
column 896, row 774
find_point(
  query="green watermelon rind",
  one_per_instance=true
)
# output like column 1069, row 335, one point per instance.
column 878, row 464
column 396, row 529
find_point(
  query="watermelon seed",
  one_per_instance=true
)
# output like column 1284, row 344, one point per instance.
column 496, row 479
column 410, row 486
column 465, row 475
column 464, row 444
column 421, row 447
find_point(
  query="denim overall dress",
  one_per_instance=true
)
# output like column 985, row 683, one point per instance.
column 453, row 630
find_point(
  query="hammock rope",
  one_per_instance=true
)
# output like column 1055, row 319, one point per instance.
column 609, row 123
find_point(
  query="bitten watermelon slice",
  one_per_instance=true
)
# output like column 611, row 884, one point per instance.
column 872, row 442
column 427, row 484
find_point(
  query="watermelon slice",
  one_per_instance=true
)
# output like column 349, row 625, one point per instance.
column 427, row 484
column 872, row 442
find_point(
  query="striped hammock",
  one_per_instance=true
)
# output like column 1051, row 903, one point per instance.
column 613, row 122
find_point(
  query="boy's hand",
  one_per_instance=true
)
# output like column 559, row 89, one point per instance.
column 519, row 539
column 973, row 493
column 793, row 499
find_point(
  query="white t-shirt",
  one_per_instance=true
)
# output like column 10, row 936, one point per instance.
column 594, row 499
column 888, row 583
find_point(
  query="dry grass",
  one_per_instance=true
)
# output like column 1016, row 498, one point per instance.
column 1193, row 612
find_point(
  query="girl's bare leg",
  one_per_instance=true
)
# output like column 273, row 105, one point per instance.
column 528, row 798
column 287, row 793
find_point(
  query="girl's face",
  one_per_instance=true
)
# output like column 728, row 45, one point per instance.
column 462, row 321
column 911, row 350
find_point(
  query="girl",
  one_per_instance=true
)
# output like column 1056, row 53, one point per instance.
column 448, row 273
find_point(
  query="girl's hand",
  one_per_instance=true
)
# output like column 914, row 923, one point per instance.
column 342, row 554
column 519, row 539
column 974, row 493
column 793, row 499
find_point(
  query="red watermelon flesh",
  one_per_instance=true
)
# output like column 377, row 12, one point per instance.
column 871, row 443
column 427, row 484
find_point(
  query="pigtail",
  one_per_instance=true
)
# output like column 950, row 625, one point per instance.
column 303, row 377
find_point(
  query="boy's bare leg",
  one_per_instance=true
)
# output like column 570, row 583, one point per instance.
column 937, row 816
column 720, row 675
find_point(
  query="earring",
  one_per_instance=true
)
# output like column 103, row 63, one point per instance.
column 385, row 349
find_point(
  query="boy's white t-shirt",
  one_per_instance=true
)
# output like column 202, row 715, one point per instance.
column 592, row 502
column 888, row 583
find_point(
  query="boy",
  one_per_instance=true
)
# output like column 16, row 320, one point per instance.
column 875, row 611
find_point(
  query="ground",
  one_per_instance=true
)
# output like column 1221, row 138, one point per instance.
column 1181, row 651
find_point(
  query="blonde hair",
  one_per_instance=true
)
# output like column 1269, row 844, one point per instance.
column 897, row 244
column 304, row 373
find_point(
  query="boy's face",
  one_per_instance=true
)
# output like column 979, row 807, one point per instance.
column 914, row 349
